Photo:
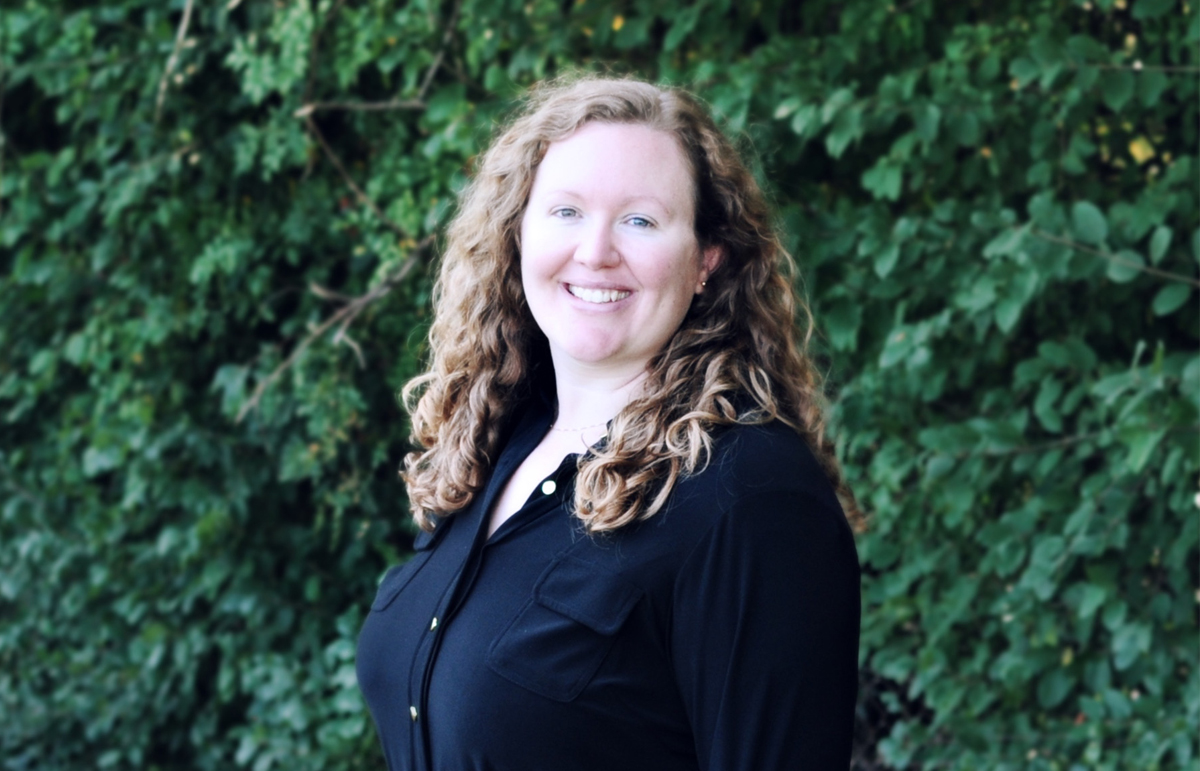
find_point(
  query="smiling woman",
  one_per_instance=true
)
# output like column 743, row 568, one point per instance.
column 633, row 554
column 609, row 256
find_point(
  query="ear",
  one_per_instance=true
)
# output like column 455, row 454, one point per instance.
column 710, row 260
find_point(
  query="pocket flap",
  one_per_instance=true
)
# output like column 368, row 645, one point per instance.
column 588, row 593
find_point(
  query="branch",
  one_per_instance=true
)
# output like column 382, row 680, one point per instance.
column 173, row 59
column 417, row 103
column 314, row 47
column 342, row 318
column 391, row 104
column 363, row 198
column 1114, row 258
column 1137, row 66
column 3, row 142
column 1054, row 445
column 447, row 36
column 1057, row 444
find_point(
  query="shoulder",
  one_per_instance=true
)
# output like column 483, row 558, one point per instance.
column 762, row 483
column 752, row 461
column 767, row 455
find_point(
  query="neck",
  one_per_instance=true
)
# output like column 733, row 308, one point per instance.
column 589, row 398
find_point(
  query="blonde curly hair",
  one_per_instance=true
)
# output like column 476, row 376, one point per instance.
column 738, row 357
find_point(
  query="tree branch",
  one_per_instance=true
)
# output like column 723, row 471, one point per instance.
column 3, row 141
column 314, row 47
column 417, row 103
column 363, row 198
column 341, row 319
column 447, row 36
column 391, row 104
column 1139, row 67
column 1114, row 258
column 180, row 35
column 1025, row 449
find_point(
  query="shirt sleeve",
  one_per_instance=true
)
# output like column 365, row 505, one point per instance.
column 764, row 635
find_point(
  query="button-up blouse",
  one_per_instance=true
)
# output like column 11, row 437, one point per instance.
column 721, row 633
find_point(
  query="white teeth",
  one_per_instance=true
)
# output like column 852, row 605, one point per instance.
column 597, row 295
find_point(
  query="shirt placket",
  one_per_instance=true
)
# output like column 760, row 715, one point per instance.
column 549, row 493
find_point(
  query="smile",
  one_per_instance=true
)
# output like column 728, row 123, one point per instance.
column 597, row 295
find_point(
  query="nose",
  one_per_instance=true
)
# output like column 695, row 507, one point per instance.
column 596, row 248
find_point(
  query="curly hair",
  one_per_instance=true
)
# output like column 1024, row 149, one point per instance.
column 738, row 357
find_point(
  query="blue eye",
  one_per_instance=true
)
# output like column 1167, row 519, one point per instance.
column 640, row 222
column 565, row 212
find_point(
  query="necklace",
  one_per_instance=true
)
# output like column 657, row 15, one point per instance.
column 581, row 428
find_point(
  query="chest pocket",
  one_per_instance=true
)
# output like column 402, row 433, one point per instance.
column 564, row 631
column 398, row 577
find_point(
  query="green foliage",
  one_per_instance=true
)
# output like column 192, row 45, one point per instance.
column 995, row 211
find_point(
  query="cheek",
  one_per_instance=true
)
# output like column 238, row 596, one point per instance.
column 675, row 274
column 537, row 253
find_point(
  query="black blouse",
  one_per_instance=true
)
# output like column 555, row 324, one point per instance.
column 721, row 634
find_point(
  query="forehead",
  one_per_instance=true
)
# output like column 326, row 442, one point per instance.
column 617, row 158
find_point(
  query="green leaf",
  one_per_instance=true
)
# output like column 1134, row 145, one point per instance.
column 1089, row 223
column 886, row 259
column 841, row 321
column 1142, row 444
column 1008, row 242
column 1025, row 70
column 927, row 118
column 1092, row 598
column 979, row 294
column 807, row 120
column 1118, row 704
column 1170, row 299
column 685, row 22
column 1159, row 243
column 1125, row 267
column 846, row 128
column 787, row 107
column 883, row 180
column 897, row 348
column 1117, row 87
column 964, row 127
column 1151, row 9
column 1129, row 642
column 1151, row 85
column 97, row 460
column 1043, row 406
column 1008, row 312
column 1053, row 687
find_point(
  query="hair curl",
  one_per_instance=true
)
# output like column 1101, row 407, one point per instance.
column 738, row 348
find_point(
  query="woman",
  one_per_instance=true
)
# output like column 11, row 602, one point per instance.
column 632, row 556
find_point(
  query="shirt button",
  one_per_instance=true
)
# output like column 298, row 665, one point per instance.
column 413, row 712
column 548, row 487
column 433, row 624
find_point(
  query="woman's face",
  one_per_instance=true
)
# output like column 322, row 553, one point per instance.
column 609, row 256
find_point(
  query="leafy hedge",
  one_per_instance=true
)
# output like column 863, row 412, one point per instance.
column 218, row 222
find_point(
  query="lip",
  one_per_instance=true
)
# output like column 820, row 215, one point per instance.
column 601, row 285
column 579, row 302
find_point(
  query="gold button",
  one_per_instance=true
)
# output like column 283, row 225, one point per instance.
column 433, row 624
column 548, row 487
column 413, row 711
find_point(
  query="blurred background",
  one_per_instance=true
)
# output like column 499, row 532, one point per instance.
column 218, row 226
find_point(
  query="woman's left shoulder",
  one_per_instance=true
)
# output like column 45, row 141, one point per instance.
column 764, row 472
column 768, row 457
